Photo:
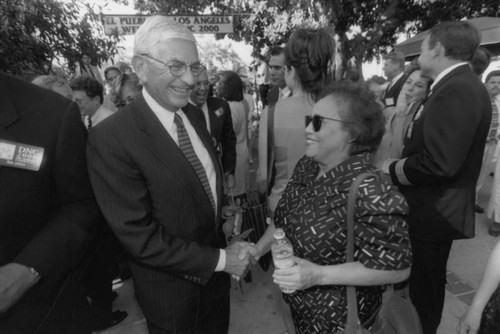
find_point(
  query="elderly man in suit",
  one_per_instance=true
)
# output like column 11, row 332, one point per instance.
column 47, row 211
column 217, row 115
column 394, row 67
column 158, row 182
column 441, row 161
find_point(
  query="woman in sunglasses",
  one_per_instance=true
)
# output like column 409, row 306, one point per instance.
column 346, row 125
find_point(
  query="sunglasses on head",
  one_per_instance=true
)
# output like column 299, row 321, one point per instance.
column 317, row 120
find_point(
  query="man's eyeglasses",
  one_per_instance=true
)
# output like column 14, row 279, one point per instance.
column 179, row 69
column 124, row 102
column 276, row 68
column 317, row 121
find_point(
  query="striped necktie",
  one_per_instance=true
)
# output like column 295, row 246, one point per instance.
column 89, row 123
column 188, row 150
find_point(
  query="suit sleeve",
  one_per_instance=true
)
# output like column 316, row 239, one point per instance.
column 62, row 242
column 124, row 197
column 449, row 129
column 228, row 142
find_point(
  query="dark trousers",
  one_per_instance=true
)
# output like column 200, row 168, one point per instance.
column 213, row 315
column 428, row 281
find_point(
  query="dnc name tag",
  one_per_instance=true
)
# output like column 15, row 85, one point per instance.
column 19, row 155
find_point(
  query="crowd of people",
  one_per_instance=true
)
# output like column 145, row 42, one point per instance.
column 131, row 175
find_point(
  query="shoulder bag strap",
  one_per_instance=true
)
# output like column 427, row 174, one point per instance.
column 352, row 305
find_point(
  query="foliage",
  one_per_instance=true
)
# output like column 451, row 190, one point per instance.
column 219, row 55
column 363, row 28
column 34, row 33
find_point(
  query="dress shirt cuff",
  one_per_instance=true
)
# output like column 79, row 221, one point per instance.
column 222, row 260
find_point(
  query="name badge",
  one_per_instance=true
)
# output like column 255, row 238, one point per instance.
column 219, row 112
column 19, row 155
column 389, row 102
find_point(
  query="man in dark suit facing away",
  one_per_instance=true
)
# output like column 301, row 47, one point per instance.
column 441, row 161
column 47, row 211
column 158, row 183
column 217, row 116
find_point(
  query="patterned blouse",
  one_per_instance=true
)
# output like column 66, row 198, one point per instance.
column 313, row 214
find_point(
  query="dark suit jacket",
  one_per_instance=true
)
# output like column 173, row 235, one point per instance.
column 157, row 207
column 394, row 90
column 45, row 215
column 443, row 158
column 221, row 128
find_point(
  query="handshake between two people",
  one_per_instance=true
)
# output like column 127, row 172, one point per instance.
column 241, row 256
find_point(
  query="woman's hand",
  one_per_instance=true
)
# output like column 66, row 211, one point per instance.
column 470, row 322
column 301, row 276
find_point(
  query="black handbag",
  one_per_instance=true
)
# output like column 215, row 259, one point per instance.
column 397, row 315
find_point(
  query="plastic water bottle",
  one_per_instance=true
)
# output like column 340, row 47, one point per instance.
column 282, row 251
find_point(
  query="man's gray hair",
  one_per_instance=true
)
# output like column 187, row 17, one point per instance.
column 157, row 30
column 49, row 81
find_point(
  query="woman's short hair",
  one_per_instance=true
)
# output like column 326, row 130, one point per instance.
column 311, row 52
column 360, row 112
column 130, row 80
column 233, row 86
column 49, row 81
column 91, row 86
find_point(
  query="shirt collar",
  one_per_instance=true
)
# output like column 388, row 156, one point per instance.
column 285, row 92
column 446, row 71
column 160, row 112
column 396, row 78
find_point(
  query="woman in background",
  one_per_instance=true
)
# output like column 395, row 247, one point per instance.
column 409, row 101
column 125, row 89
column 308, row 62
column 230, row 88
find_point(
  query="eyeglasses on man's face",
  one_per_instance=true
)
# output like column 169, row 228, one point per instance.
column 124, row 102
column 178, row 69
column 276, row 68
column 317, row 121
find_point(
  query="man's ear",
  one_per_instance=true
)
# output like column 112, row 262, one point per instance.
column 438, row 49
column 139, row 65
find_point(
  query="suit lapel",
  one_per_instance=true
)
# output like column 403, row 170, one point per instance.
column 214, row 122
column 161, row 144
column 8, row 113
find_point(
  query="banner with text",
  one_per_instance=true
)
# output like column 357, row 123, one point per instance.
column 200, row 24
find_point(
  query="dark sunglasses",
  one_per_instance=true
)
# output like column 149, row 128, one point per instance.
column 317, row 120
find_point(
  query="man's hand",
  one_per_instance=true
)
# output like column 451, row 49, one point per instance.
column 237, row 261
column 15, row 280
